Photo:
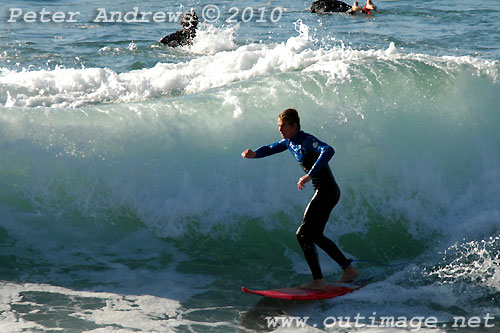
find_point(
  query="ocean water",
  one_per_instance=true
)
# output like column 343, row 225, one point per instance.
column 125, row 205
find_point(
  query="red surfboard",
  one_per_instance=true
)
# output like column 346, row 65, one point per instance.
column 305, row 294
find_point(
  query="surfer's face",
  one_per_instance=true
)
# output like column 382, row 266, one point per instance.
column 287, row 131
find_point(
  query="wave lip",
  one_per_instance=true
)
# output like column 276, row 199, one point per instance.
column 74, row 88
column 218, row 64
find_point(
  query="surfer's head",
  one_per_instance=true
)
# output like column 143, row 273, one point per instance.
column 189, row 19
column 289, row 123
column 355, row 6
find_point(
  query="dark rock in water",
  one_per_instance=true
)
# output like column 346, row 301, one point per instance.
column 329, row 6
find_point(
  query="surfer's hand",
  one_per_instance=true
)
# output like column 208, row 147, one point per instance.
column 249, row 153
column 302, row 181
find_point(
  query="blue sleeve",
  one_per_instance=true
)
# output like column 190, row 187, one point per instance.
column 271, row 149
column 325, row 153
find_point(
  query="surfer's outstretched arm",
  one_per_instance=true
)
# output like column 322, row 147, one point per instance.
column 264, row 151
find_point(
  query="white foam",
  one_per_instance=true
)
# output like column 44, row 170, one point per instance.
column 219, row 63
column 132, row 46
column 475, row 262
column 210, row 39
column 131, row 312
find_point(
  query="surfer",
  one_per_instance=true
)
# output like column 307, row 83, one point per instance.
column 189, row 21
column 336, row 6
column 355, row 8
column 313, row 155
column 369, row 6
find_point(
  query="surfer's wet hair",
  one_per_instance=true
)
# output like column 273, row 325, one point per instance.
column 291, row 116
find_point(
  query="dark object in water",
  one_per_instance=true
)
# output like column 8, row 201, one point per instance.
column 329, row 6
column 189, row 21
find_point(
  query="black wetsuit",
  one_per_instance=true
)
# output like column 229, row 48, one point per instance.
column 180, row 38
column 329, row 6
column 313, row 155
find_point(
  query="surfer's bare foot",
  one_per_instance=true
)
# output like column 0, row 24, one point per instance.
column 314, row 285
column 350, row 273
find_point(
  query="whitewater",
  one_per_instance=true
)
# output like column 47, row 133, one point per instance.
column 125, row 204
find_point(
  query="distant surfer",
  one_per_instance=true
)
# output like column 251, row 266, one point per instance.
column 368, row 7
column 336, row 6
column 355, row 8
column 189, row 22
column 313, row 155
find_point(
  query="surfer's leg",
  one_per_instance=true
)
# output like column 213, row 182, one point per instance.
column 305, row 238
column 324, row 203
column 330, row 248
column 316, row 217
column 311, row 255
